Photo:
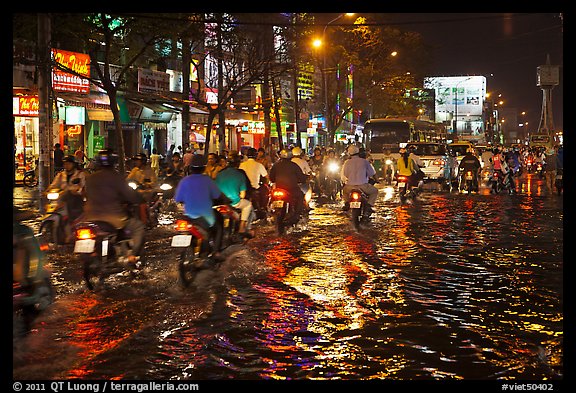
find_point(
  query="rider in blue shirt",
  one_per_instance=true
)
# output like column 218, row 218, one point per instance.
column 198, row 193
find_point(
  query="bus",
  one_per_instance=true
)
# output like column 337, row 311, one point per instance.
column 389, row 134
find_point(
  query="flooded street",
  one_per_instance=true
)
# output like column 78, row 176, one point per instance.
column 452, row 287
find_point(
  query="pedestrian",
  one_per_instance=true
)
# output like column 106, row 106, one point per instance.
column 58, row 158
column 550, row 169
column 155, row 161
column 80, row 157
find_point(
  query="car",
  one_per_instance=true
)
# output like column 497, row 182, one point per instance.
column 460, row 149
column 433, row 156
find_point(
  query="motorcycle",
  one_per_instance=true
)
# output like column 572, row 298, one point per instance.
column 360, row 210
column 500, row 181
column 388, row 171
column 196, row 243
column 103, row 250
column 333, row 184
column 59, row 217
column 540, row 170
column 31, row 178
column 282, row 208
column 406, row 192
column 468, row 182
column 32, row 290
column 559, row 182
column 150, row 210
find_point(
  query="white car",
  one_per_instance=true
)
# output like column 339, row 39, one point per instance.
column 434, row 158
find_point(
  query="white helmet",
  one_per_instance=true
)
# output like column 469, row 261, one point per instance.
column 353, row 149
column 285, row 153
column 296, row 151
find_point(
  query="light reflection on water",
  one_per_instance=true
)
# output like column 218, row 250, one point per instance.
column 452, row 287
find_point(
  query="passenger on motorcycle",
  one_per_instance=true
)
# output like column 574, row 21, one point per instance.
column 407, row 167
column 107, row 194
column 287, row 175
column 470, row 163
column 70, row 182
column 356, row 173
column 199, row 193
column 258, row 176
column 142, row 173
column 233, row 183
column 298, row 157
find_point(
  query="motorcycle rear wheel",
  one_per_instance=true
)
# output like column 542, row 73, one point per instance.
column 92, row 271
column 355, row 215
column 189, row 265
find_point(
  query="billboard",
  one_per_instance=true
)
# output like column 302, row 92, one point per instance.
column 463, row 95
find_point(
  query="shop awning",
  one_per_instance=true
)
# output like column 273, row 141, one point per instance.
column 152, row 112
column 99, row 115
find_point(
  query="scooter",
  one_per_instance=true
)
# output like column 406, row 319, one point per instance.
column 103, row 250
column 406, row 192
column 196, row 244
column 360, row 210
column 333, row 184
column 283, row 210
column 32, row 290
column 468, row 181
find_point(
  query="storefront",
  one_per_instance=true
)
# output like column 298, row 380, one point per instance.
column 26, row 144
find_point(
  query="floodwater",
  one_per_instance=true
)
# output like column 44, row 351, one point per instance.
column 452, row 287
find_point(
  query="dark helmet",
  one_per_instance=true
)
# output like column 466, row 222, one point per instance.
column 252, row 153
column 198, row 161
column 140, row 156
column 106, row 158
column 69, row 158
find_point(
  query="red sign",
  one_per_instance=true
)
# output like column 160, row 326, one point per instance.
column 27, row 106
column 77, row 62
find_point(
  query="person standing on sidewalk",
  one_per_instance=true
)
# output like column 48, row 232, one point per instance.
column 58, row 158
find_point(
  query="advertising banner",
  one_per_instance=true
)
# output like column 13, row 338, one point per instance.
column 77, row 62
column 458, row 94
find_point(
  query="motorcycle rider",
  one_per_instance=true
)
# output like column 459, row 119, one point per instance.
column 470, row 163
column 287, row 175
column 298, row 158
column 419, row 175
column 258, row 176
column 199, row 193
column 107, row 192
column 407, row 167
column 70, row 182
column 356, row 173
column 142, row 173
column 232, row 182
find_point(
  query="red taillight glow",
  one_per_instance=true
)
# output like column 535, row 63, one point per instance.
column 182, row 225
column 439, row 162
column 469, row 173
column 402, row 179
column 278, row 194
column 355, row 196
column 85, row 233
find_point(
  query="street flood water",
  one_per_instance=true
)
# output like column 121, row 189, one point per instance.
column 451, row 287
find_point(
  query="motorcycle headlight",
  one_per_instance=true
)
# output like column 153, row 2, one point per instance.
column 53, row 195
column 133, row 185
column 165, row 187
column 333, row 167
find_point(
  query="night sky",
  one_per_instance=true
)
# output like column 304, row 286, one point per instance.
column 505, row 48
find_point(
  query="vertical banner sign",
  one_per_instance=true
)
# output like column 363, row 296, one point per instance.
column 77, row 62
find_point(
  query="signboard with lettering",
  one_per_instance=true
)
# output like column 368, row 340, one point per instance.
column 25, row 106
column 77, row 62
column 153, row 81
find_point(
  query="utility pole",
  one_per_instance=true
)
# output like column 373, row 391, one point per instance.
column 45, row 167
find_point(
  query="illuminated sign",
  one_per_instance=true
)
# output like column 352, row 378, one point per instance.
column 77, row 62
column 461, row 94
column 73, row 131
column 25, row 106
column 153, row 81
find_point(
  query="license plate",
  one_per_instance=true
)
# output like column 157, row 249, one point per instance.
column 278, row 204
column 84, row 246
column 355, row 205
column 181, row 240
column 401, row 184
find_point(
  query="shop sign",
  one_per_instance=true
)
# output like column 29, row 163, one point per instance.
column 77, row 62
column 153, row 81
column 25, row 106
column 73, row 131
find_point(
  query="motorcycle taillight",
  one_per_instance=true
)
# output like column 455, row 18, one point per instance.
column 182, row 225
column 402, row 179
column 355, row 196
column 278, row 194
column 85, row 233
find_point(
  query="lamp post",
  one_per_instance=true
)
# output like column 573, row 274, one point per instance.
column 327, row 111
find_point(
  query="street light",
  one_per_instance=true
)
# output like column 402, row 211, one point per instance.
column 324, row 73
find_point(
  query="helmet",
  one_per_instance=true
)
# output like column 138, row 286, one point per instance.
column 69, row 158
column 285, row 153
column 353, row 149
column 198, row 161
column 140, row 156
column 296, row 151
column 106, row 158
column 252, row 153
